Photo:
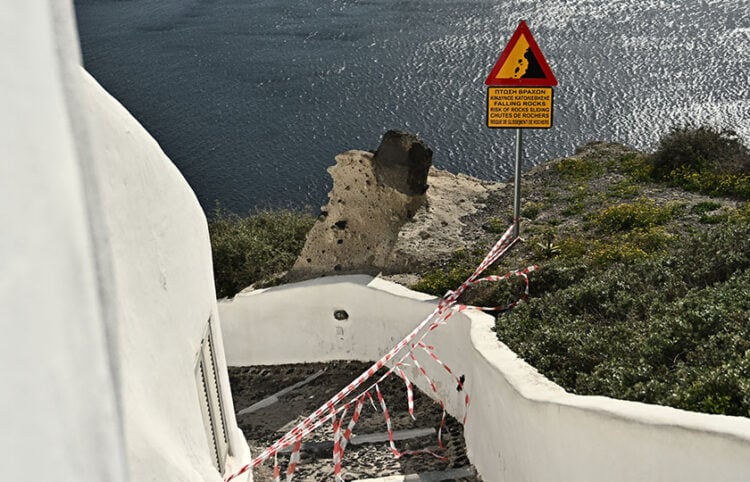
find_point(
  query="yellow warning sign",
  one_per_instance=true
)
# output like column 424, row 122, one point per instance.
column 516, row 65
column 521, row 64
column 519, row 107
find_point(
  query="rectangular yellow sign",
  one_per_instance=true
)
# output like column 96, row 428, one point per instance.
column 519, row 107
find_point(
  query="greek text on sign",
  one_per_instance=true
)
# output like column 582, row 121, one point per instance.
column 519, row 107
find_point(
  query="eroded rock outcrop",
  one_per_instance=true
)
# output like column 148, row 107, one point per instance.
column 402, row 162
column 388, row 212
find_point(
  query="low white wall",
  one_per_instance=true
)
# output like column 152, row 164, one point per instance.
column 295, row 323
column 521, row 426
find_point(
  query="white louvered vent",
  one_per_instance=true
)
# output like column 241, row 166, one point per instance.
column 210, row 401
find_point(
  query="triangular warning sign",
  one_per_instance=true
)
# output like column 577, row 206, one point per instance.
column 521, row 63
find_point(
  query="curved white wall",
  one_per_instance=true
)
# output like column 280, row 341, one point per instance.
column 521, row 426
column 58, row 399
column 163, row 283
column 106, row 284
column 295, row 323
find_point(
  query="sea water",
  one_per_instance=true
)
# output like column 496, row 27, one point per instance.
column 252, row 99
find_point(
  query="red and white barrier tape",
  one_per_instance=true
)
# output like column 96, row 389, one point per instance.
column 340, row 444
column 522, row 273
column 293, row 459
column 337, row 451
column 423, row 372
column 409, row 391
column 387, row 416
column 276, row 470
column 329, row 409
column 459, row 380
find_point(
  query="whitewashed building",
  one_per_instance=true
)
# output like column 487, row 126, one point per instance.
column 112, row 361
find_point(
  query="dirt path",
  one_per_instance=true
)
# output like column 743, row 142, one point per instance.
column 262, row 426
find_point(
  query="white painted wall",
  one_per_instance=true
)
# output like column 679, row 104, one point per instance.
column 58, row 400
column 521, row 426
column 295, row 323
column 105, row 281
column 163, row 279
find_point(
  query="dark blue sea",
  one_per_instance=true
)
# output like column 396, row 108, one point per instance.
column 252, row 99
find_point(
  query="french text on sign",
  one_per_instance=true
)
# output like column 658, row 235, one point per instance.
column 519, row 107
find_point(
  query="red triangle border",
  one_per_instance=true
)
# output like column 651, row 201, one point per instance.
column 549, row 79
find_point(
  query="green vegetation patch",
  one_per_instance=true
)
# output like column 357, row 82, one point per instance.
column 704, row 160
column 448, row 277
column 704, row 207
column 672, row 329
column 711, row 183
column 255, row 248
column 579, row 168
column 639, row 297
column 642, row 213
column 531, row 209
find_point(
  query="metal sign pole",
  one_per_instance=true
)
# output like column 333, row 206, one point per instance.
column 519, row 97
column 517, row 187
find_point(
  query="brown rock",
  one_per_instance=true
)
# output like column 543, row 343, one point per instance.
column 381, row 218
column 402, row 162
column 362, row 222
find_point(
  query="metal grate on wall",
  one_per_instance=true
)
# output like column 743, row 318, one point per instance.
column 209, row 394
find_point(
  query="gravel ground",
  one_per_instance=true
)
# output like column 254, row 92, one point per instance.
column 369, row 460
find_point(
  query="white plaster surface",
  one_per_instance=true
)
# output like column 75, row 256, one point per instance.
column 106, row 281
column 295, row 323
column 521, row 426
column 164, row 287
column 58, row 401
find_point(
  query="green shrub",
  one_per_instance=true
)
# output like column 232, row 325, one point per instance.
column 531, row 209
column 669, row 328
column 623, row 247
column 697, row 150
column 579, row 168
column 624, row 189
column 460, row 266
column 713, row 218
column 651, row 240
column 705, row 207
column 741, row 214
column 439, row 281
column 572, row 247
column 642, row 213
column 574, row 208
column 497, row 225
column 637, row 166
column 250, row 249
column 579, row 201
column 557, row 274
column 607, row 252
column 712, row 184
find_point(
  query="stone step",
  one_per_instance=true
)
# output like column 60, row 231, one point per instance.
column 443, row 475
column 268, row 401
column 368, row 438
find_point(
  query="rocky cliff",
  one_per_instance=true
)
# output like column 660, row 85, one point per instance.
column 390, row 212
